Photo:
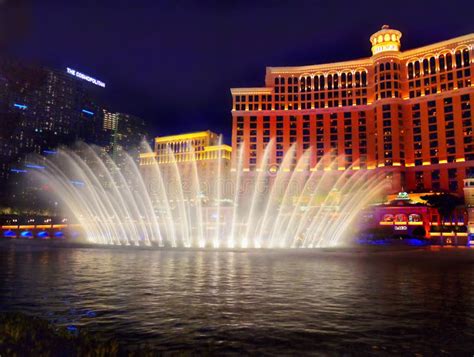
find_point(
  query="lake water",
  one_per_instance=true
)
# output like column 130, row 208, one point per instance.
column 287, row 303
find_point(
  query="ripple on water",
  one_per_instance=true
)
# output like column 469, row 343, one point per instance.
column 258, row 302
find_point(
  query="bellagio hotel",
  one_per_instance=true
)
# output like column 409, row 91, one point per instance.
column 406, row 113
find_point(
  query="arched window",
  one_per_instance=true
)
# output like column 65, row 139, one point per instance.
column 349, row 79
column 382, row 67
column 343, row 80
column 364, row 79
column 465, row 55
column 417, row 69
column 316, row 83
column 432, row 65
column 458, row 59
column 387, row 66
column 442, row 63
column 425, row 66
column 290, row 80
column 357, row 78
column 414, row 217
column 277, row 80
column 410, row 70
column 400, row 217
column 330, row 81
column 336, row 81
column 303, row 84
column 449, row 61
column 321, row 82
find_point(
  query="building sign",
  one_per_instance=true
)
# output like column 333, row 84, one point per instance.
column 85, row 77
column 401, row 228
column 403, row 196
column 384, row 48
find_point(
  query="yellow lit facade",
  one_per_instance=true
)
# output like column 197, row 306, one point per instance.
column 199, row 154
column 199, row 146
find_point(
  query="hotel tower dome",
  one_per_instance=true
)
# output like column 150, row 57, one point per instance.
column 385, row 40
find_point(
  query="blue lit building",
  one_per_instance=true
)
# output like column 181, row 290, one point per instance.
column 42, row 108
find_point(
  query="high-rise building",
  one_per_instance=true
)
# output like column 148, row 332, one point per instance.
column 126, row 133
column 42, row 108
column 408, row 114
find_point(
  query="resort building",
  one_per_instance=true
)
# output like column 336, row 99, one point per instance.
column 186, row 158
column 407, row 216
column 405, row 114
column 469, row 200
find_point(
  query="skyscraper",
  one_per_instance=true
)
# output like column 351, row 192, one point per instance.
column 42, row 108
column 126, row 133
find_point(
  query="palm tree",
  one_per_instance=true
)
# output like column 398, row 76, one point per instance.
column 445, row 203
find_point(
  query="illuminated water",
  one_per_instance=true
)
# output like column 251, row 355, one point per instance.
column 285, row 303
column 294, row 205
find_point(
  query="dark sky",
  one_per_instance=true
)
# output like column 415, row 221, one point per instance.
column 173, row 62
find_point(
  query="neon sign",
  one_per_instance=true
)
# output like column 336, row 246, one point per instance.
column 85, row 77
column 403, row 196
column 401, row 228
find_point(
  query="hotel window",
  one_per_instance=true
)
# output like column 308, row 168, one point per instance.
column 458, row 57
column 432, row 65
column 417, row 69
column 449, row 61
column 466, row 59
column 442, row 63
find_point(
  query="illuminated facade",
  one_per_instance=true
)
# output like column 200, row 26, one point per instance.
column 126, row 132
column 407, row 114
column 469, row 199
column 41, row 108
column 202, row 146
column 201, row 152
column 403, row 217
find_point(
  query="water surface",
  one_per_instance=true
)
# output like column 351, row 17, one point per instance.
column 289, row 302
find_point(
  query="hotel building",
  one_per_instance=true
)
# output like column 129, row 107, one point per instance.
column 200, row 153
column 469, row 199
column 42, row 108
column 408, row 114
column 126, row 133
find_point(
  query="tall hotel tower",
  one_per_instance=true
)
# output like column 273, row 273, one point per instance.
column 408, row 114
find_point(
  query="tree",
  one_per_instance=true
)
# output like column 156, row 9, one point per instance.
column 445, row 203
column 419, row 232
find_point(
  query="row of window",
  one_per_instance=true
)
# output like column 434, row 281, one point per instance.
column 453, row 176
column 433, row 65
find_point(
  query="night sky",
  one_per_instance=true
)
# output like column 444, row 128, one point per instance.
column 173, row 62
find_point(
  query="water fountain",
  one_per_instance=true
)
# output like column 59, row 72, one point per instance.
column 290, row 206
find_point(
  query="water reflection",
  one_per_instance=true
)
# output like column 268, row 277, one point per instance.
column 281, row 302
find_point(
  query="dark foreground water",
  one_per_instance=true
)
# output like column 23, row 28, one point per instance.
column 337, row 302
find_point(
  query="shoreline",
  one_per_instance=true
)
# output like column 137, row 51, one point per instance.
column 349, row 250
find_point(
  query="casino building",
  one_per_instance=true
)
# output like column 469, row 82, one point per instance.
column 406, row 114
column 183, row 157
